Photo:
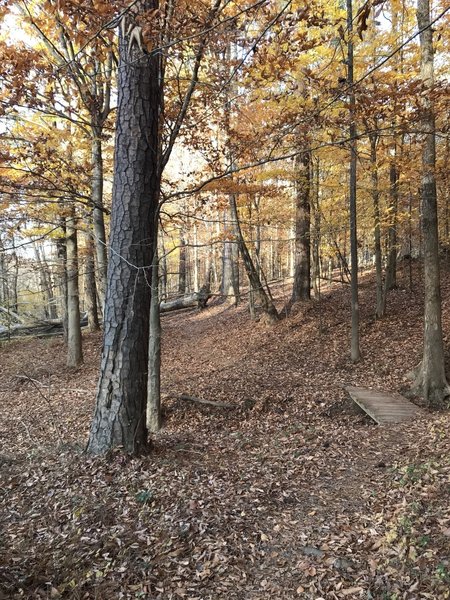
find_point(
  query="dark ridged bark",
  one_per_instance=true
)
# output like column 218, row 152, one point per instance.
column 120, row 418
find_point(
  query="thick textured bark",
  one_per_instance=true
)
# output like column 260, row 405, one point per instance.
column 98, row 214
column 376, row 225
column 120, row 418
column 90, row 291
column 355, row 351
column 316, row 233
column 302, row 270
column 259, row 292
column 431, row 380
column 74, row 344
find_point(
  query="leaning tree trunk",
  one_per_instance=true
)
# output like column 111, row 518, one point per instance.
column 74, row 347
column 302, row 262
column 259, row 292
column 120, row 413
column 431, row 380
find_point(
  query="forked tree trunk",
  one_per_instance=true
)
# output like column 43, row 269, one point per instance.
column 302, row 269
column 431, row 380
column 120, row 418
column 74, row 344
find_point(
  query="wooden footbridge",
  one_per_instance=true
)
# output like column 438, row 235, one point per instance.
column 384, row 407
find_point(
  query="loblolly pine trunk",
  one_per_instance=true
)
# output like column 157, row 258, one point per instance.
column 120, row 412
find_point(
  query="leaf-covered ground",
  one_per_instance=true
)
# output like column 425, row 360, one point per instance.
column 292, row 495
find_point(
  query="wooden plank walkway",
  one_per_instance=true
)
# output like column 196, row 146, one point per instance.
column 383, row 407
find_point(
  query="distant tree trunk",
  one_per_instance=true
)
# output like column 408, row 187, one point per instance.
column 46, row 284
column 431, row 380
column 61, row 252
column 259, row 292
column 316, row 224
column 230, row 270
column 14, row 300
column 376, row 225
column 302, row 270
column 98, row 214
column 154, row 351
column 90, row 291
column 74, row 348
column 120, row 418
column 182, row 266
column 390, row 280
column 355, row 351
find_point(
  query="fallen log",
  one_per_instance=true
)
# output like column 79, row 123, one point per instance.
column 208, row 402
column 198, row 299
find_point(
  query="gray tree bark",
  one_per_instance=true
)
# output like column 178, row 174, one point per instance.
column 431, row 380
column 74, row 344
column 120, row 413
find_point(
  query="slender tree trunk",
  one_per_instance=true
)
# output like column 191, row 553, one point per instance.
column 90, row 291
column 182, row 266
column 154, row 351
column 316, row 233
column 46, row 284
column 74, row 344
column 302, row 272
column 431, row 380
column 120, row 418
column 61, row 252
column 390, row 280
column 376, row 225
column 98, row 214
column 355, row 351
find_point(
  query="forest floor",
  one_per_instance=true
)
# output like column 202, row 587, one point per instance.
column 294, row 494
